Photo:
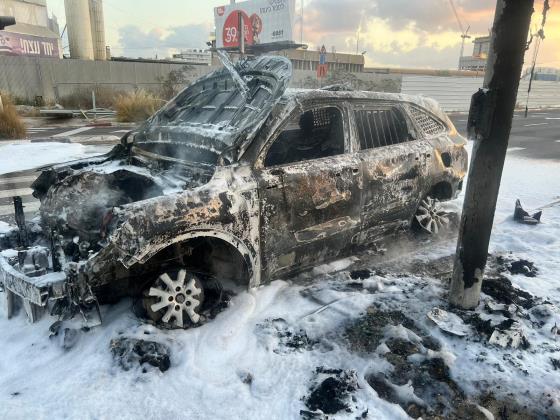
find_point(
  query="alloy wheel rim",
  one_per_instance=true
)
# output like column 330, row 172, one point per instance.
column 431, row 217
column 179, row 297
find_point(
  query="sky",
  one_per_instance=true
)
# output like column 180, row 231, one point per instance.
column 394, row 33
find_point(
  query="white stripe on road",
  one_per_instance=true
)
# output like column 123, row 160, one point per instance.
column 4, row 181
column 515, row 149
column 557, row 141
column 42, row 128
column 27, row 208
column 120, row 131
column 17, row 191
column 72, row 132
column 532, row 125
column 552, row 118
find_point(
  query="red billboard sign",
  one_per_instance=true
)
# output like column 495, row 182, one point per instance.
column 28, row 45
column 264, row 22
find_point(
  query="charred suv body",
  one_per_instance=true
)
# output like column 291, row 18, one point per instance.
column 236, row 178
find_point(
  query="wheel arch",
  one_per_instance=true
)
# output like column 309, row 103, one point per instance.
column 442, row 190
column 243, row 252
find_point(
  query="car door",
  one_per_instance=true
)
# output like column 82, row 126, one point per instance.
column 309, row 183
column 393, row 161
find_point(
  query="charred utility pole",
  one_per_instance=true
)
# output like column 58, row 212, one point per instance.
column 490, row 120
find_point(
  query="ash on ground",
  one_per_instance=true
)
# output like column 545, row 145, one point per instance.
column 131, row 353
column 278, row 336
column 331, row 393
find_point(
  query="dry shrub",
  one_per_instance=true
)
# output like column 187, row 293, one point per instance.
column 11, row 125
column 81, row 98
column 136, row 106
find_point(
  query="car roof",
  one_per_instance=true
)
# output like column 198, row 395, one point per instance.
column 429, row 104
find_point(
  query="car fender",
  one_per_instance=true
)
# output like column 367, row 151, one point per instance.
column 225, row 208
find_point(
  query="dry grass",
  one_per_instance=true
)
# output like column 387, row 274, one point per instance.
column 11, row 125
column 136, row 106
column 82, row 98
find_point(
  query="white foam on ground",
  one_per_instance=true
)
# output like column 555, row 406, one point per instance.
column 20, row 157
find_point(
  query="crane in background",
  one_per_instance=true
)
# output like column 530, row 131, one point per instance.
column 464, row 33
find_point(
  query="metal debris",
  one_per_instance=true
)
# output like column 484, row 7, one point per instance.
column 512, row 337
column 448, row 322
column 521, row 216
column 132, row 352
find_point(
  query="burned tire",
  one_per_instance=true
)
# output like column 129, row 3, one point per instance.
column 175, row 299
column 430, row 218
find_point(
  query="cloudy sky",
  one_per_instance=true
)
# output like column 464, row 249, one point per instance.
column 395, row 33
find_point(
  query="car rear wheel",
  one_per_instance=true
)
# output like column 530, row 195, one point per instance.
column 175, row 299
column 430, row 217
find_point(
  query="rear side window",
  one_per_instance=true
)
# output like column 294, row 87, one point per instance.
column 430, row 126
column 381, row 127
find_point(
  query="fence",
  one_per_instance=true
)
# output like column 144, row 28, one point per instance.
column 454, row 93
column 26, row 77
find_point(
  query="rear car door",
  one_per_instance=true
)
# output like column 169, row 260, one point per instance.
column 393, row 160
column 310, row 190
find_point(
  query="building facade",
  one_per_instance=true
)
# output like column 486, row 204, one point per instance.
column 477, row 61
column 194, row 56
column 34, row 34
column 309, row 60
column 548, row 74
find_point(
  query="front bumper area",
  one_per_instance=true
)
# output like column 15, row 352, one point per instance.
column 34, row 292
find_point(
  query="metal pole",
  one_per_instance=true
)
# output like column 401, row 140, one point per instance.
column 301, row 28
column 241, row 32
column 462, row 51
column 93, row 103
column 490, row 120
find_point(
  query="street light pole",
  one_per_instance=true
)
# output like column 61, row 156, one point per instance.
column 490, row 120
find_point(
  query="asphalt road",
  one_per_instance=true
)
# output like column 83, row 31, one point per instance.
column 537, row 136
column 64, row 132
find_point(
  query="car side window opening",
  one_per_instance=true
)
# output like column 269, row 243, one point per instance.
column 381, row 127
column 313, row 134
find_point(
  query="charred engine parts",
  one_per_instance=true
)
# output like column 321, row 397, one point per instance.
column 34, row 262
column 78, row 299
column 20, row 222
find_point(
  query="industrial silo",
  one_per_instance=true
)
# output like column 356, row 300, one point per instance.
column 79, row 29
column 97, row 29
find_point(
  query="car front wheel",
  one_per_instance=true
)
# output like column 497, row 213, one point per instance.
column 175, row 299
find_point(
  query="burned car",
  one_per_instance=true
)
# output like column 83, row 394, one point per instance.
column 236, row 179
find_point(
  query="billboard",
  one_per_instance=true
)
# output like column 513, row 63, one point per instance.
column 28, row 45
column 264, row 22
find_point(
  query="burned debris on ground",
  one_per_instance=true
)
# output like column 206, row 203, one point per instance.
column 331, row 393
column 418, row 379
column 516, row 266
column 521, row 216
column 503, row 291
column 131, row 353
column 281, row 338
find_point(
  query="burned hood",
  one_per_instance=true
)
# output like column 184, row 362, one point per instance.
column 79, row 203
column 218, row 113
